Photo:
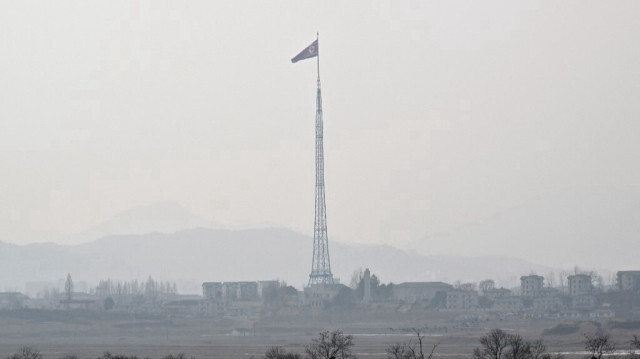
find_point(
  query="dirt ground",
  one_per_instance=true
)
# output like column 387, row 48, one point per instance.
column 89, row 335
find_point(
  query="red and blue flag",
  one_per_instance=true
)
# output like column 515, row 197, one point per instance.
column 309, row 52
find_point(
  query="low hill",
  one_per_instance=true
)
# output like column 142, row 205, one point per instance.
column 190, row 257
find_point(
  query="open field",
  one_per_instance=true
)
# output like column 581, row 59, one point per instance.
column 88, row 334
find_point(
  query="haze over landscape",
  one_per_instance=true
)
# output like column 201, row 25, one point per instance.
column 476, row 129
column 160, row 159
column 204, row 255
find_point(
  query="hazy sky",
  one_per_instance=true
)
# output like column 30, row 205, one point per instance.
column 437, row 114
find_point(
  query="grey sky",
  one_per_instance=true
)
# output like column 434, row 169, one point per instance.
column 437, row 114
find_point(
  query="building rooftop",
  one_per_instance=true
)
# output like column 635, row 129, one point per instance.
column 423, row 284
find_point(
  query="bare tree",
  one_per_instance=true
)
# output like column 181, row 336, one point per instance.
column 398, row 351
column 356, row 277
column 518, row 348
column 330, row 345
column 68, row 287
column 612, row 281
column 108, row 304
column 467, row 286
column 418, row 353
column 599, row 345
column 280, row 353
column 597, row 280
column 551, row 279
column 562, row 279
column 486, row 285
column 498, row 344
column 493, row 345
column 26, row 353
column 176, row 356
column 68, row 291
column 411, row 350
column 538, row 350
column 635, row 345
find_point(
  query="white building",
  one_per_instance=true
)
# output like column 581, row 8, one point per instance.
column 629, row 280
column 461, row 299
column 580, row 285
column 531, row 286
column 418, row 291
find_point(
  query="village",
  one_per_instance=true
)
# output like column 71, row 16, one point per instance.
column 581, row 299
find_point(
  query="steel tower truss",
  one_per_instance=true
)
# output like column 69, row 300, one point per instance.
column 321, row 264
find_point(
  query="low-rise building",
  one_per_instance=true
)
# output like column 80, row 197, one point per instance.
column 212, row 308
column 40, row 303
column 266, row 285
column 244, row 309
column 212, row 290
column 547, row 303
column 184, row 307
column 602, row 313
column 86, row 304
column 531, row 286
column 12, row 300
column 78, row 300
column 461, row 299
column 419, row 291
column 568, row 314
column 245, row 291
column 549, row 292
column 231, row 291
column 584, row 302
column 495, row 293
column 629, row 280
column 234, row 299
column 508, row 304
column 580, row 285
column 319, row 295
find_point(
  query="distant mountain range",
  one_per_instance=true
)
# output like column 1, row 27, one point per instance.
column 191, row 257
column 592, row 228
column 163, row 217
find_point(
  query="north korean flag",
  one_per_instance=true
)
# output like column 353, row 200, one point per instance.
column 309, row 52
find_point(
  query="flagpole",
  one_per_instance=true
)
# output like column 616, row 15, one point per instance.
column 318, row 57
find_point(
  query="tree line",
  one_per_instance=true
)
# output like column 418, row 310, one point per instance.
column 497, row 344
column 110, row 288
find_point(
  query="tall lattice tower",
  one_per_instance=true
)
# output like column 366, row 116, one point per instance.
column 320, row 264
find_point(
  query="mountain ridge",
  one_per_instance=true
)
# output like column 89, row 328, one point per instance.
column 196, row 255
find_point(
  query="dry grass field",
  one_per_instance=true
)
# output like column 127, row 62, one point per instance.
column 89, row 335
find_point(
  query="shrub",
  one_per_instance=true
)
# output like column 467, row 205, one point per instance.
column 26, row 353
column 280, row 353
